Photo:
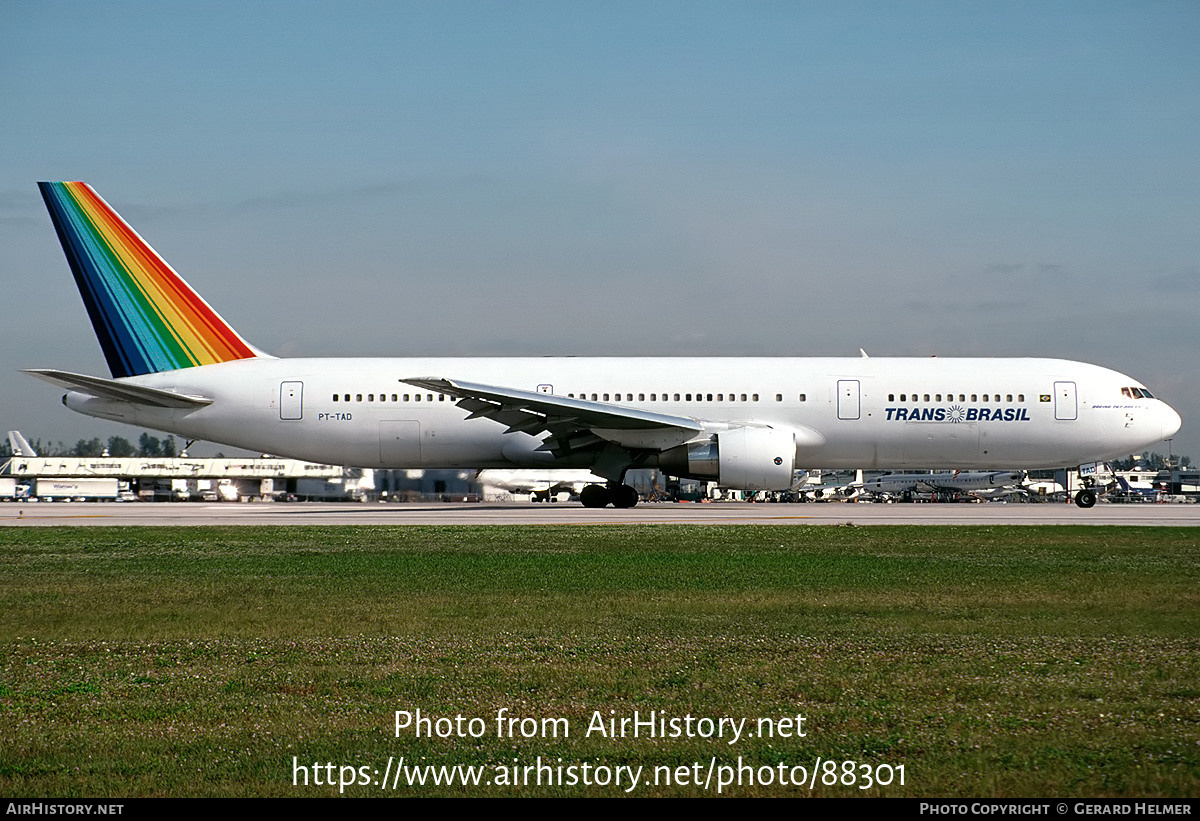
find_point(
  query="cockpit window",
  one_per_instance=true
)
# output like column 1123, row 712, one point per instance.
column 1127, row 393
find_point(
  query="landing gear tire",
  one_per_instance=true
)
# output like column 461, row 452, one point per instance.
column 623, row 496
column 1086, row 498
column 594, row 496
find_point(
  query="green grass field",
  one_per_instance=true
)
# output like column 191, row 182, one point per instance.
column 1030, row 661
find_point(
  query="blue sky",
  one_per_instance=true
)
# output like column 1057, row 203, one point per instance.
column 1009, row 179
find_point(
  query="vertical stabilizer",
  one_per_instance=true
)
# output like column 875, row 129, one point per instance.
column 18, row 444
column 146, row 317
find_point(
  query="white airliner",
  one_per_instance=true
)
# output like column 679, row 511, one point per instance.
column 745, row 423
column 541, row 485
column 957, row 481
column 815, row 490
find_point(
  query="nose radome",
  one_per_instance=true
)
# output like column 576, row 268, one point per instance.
column 1171, row 421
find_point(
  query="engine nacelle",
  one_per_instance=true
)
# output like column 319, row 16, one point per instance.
column 741, row 458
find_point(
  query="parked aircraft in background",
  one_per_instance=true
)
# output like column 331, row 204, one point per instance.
column 817, row 490
column 745, row 423
column 945, row 482
column 541, row 485
column 1142, row 487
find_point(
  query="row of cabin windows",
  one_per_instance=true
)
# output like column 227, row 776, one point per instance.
column 441, row 397
column 962, row 397
column 383, row 397
column 679, row 397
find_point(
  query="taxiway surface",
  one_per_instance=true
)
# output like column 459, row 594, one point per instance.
column 725, row 513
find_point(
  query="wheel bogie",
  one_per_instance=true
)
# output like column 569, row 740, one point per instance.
column 619, row 496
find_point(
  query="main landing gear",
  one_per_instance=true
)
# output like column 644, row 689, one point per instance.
column 1086, row 498
column 620, row 496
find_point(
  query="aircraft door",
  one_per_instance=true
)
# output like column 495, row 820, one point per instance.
column 1066, row 404
column 291, row 400
column 849, row 405
column 400, row 443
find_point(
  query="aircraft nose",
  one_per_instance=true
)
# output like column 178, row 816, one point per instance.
column 1171, row 421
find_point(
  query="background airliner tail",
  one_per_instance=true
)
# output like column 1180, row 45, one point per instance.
column 146, row 317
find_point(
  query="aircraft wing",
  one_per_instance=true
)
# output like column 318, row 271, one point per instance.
column 574, row 424
column 119, row 390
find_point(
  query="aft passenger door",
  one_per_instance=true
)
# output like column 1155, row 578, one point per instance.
column 291, row 401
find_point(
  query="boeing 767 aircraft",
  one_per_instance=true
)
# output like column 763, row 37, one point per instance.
column 746, row 423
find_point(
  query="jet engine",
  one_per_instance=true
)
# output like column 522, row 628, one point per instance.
column 741, row 458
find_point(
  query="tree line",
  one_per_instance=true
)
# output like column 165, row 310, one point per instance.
column 1149, row 461
column 117, row 446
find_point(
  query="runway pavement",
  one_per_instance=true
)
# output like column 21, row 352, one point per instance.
column 523, row 513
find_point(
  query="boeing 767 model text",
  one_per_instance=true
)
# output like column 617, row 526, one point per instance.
column 747, row 423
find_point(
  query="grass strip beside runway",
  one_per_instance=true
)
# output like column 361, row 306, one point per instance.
column 1031, row 661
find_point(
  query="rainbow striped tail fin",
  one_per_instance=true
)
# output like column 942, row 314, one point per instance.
column 146, row 317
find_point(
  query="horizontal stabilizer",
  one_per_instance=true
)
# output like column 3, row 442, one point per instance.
column 119, row 390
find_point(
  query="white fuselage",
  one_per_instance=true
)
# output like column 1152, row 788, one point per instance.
column 852, row 412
